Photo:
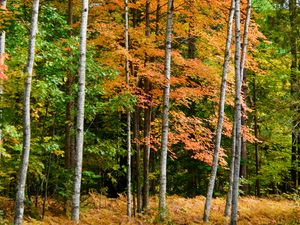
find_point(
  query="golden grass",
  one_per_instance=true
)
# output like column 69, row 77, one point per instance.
column 99, row 210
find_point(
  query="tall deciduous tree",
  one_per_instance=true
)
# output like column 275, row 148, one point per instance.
column 2, row 58
column 221, row 115
column 69, row 136
column 237, row 155
column 80, row 114
column 20, row 196
column 257, row 182
column 294, row 92
column 147, row 123
column 232, row 197
column 239, row 74
column 243, row 83
column 128, row 114
column 165, row 119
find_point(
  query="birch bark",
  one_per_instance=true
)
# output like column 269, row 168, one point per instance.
column 221, row 115
column 236, row 144
column 165, row 122
column 20, row 196
column 235, row 187
column 80, row 114
column 2, row 59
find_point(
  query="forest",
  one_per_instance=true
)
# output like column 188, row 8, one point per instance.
column 149, row 112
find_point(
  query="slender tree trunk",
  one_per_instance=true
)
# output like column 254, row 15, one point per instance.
column 136, row 169
column 157, row 17
column 294, row 91
column 70, row 12
column 229, row 194
column 257, row 182
column 69, row 137
column 147, row 123
column 138, row 157
column 243, row 170
column 2, row 36
column 221, row 116
column 147, row 156
column 244, row 84
column 129, row 197
column 236, row 144
column 80, row 114
column 165, row 120
column 235, row 187
column 2, row 59
column 20, row 196
column 46, row 187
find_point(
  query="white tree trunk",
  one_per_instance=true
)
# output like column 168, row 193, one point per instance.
column 245, row 39
column 165, row 124
column 234, row 138
column 2, row 59
column 20, row 196
column 2, row 37
column 235, row 187
column 80, row 114
column 129, row 197
column 221, row 116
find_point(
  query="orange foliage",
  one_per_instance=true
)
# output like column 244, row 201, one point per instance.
column 193, row 78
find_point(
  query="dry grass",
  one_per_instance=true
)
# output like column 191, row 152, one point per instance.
column 98, row 210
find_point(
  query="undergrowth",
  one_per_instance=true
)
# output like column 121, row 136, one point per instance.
column 98, row 210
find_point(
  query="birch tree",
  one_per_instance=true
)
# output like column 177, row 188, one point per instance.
column 2, row 37
column 236, row 168
column 2, row 59
column 236, row 143
column 221, row 115
column 243, row 87
column 80, row 114
column 128, row 115
column 165, row 119
column 20, row 196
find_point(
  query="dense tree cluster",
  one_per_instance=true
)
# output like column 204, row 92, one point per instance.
column 123, row 97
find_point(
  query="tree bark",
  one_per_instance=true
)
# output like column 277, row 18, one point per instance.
column 257, row 182
column 243, row 83
column 69, row 137
column 129, row 197
column 20, row 196
column 229, row 194
column 2, row 59
column 294, row 92
column 236, row 144
column 147, row 115
column 235, row 186
column 157, row 17
column 165, row 122
column 80, row 114
column 70, row 12
column 221, row 115
column 243, row 170
column 138, row 158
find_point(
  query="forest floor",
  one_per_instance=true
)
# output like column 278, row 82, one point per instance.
column 98, row 210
